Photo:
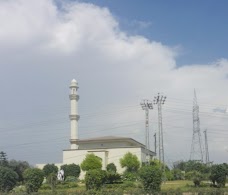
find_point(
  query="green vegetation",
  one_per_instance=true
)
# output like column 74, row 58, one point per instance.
column 8, row 179
column 33, row 178
column 50, row 168
column 151, row 177
column 91, row 162
column 95, row 179
column 71, row 170
column 130, row 162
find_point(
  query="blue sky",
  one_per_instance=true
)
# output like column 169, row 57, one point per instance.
column 200, row 28
column 120, row 52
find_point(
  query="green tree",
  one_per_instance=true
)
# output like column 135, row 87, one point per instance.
column 52, row 181
column 195, row 176
column 8, row 179
column 91, row 162
column 130, row 162
column 19, row 167
column 71, row 170
column 50, row 168
column 3, row 159
column 33, row 178
column 111, row 167
column 94, row 179
column 218, row 174
column 151, row 178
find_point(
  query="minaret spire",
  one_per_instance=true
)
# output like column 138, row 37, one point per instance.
column 74, row 117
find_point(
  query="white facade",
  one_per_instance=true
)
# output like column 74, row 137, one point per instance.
column 109, row 149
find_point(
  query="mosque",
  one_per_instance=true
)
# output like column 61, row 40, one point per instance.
column 109, row 148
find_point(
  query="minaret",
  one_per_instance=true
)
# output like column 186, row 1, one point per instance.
column 74, row 117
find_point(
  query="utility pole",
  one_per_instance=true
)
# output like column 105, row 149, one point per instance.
column 160, row 100
column 147, row 105
column 155, row 144
column 196, row 148
column 206, row 148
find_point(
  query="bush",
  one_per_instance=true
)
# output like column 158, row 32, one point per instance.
column 218, row 174
column 111, row 167
column 33, row 179
column 151, row 177
column 71, row 170
column 130, row 176
column 94, row 179
column 130, row 162
column 195, row 176
column 113, row 178
column 50, row 168
column 91, row 162
column 52, row 180
column 8, row 179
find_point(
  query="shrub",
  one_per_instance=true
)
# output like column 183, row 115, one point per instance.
column 151, row 177
column 218, row 174
column 50, row 168
column 71, row 170
column 33, row 179
column 112, row 178
column 130, row 162
column 195, row 176
column 111, row 167
column 94, row 179
column 91, row 162
column 52, row 180
column 130, row 176
column 8, row 179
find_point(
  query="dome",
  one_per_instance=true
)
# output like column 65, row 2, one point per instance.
column 73, row 81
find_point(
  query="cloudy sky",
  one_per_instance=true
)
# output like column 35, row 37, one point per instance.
column 120, row 53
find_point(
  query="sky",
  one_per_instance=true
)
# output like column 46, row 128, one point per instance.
column 120, row 52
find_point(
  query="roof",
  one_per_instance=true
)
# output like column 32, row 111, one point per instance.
column 110, row 139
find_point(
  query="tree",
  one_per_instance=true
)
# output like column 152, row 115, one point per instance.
column 130, row 162
column 50, row 168
column 8, row 179
column 19, row 167
column 151, row 178
column 195, row 176
column 111, row 167
column 3, row 159
column 91, row 162
column 218, row 174
column 94, row 179
column 52, row 180
column 33, row 179
column 71, row 170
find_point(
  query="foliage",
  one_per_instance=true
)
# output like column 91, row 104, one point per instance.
column 112, row 177
column 33, row 178
column 8, row 179
column 3, row 159
column 192, row 165
column 169, row 175
column 94, row 179
column 218, row 174
column 178, row 174
column 130, row 162
column 151, row 177
column 52, row 180
column 19, row 167
column 195, row 176
column 50, row 168
column 130, row 176
column 91, row 162
column 111, row 167
column 71, row 170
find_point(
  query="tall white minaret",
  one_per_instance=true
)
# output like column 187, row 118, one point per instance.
column 74, row 117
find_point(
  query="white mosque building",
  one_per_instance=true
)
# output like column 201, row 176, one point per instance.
column 109, row 148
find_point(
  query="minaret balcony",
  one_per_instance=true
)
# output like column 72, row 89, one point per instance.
column 74, row 97
column 74, row 117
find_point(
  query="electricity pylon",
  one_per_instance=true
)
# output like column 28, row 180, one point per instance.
column 147, row 105
column 206, row 148
column 196, row 148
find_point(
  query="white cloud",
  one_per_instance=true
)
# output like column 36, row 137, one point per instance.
column 43, row 47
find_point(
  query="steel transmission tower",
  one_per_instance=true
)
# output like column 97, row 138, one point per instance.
column 206, row 148
column 147, row 105
column 196, row 148
column 160, row 100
